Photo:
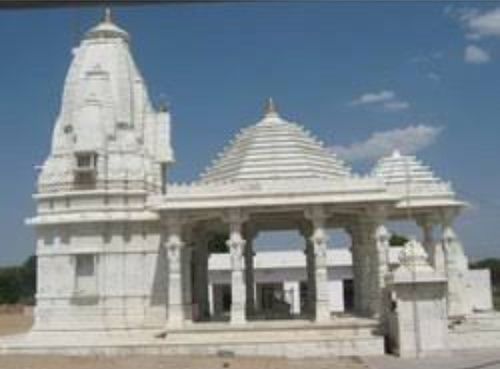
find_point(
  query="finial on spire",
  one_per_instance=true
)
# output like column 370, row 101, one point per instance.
column 107, row 15
column 271, row 108
column 396, row 153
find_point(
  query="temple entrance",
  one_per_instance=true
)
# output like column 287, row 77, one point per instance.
column 221, row 301
column 272, row 302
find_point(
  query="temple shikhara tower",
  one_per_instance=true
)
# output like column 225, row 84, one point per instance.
column 125, row 257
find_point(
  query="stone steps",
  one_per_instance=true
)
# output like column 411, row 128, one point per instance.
column 296, row 340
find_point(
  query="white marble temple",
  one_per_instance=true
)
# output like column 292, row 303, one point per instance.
column 121, row 248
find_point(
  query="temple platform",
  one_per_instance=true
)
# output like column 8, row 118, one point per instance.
column 291, row 338
column 478, row 330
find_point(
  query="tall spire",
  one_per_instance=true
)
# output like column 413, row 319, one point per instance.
column 271, row 110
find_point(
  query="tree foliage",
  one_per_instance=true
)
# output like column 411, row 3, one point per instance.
column 397, row 240
column 18, row 283
column 217, row 243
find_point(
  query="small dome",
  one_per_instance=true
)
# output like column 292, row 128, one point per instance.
column 273, row 149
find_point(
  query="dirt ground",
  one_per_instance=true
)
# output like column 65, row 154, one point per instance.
column 14, row 323
column 17, row 323
column 170, row 362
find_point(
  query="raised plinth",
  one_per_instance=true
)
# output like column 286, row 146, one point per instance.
column 478, row 330
column 293, row 339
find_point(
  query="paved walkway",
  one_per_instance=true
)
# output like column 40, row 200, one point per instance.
column 478, row 359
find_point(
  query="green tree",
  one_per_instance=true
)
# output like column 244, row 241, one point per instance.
column 18, row 283
column 10, row 285
column 217, row 243
column 397, row 240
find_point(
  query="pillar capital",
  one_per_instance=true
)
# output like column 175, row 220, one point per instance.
column 447, row 216
column 235, row 217
column 376, row 214
column 426, row 220
column 250, row 231
column 236, row 244
column 173, row 222
column 382, row 233
column 316, row 214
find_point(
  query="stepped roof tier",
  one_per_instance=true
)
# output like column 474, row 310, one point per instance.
column 414, row 181
column 276, row 162
column 274, row 149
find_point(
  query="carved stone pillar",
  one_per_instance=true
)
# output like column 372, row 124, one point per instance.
column 319, row 241
column 456, row 267
column 174, row 249
column 201, row 275
column 187, row 253
column 375, row 260
column 357, row 267
column 236, row 245
column 308, row 306
column 382, row 267
column 426, row 224
column 249, row 272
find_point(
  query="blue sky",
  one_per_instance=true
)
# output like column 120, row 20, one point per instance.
column 425, row 75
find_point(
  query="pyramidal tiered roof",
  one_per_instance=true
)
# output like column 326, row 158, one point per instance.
column 408, row 176
column 274, row 149
column 400, row 169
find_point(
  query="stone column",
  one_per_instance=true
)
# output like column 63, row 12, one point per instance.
column 292, row 289
column 201, row 276
column 456, row 267
column 357, row 267
column 211, row 306
column 249, row 272
column 310, row 303
column 174, row 248
column 187, row 283
column 319, row 241
column 236, row 245
column 375, row 261
column 382, row 267
column 426, row 225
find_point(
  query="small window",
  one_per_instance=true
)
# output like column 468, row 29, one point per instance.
column 85, row 265
column 86, row 161
column 85, row 292
column 85, row 170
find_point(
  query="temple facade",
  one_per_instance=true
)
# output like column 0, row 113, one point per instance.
column 121, row 248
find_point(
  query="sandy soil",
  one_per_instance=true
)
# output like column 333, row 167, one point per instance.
column 170, row 362
column 14, row 323
column 17, row 323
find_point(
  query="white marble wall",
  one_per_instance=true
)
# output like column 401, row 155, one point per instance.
column 129, row 275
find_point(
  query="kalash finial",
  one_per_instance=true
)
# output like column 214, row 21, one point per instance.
column 107, row 15
column 271, row 108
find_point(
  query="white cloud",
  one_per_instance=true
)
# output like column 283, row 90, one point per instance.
column 477, row 24
column 483, row 24
column 475, row 55
column 408, row 140
column 374, row 97
column 434, row 76
column 396, row 105
column 387, row 99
